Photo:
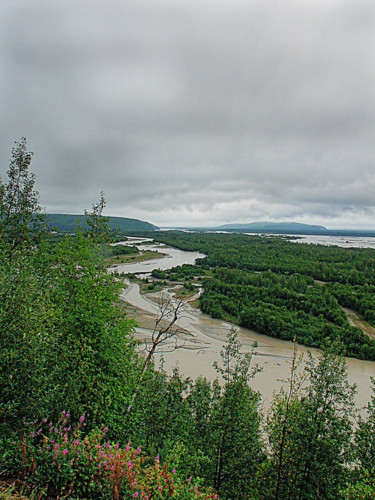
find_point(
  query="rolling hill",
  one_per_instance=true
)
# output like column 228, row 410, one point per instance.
column 69, row 223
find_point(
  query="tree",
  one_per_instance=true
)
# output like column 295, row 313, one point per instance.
column 227, row 423
column 284, row 414
column 165, row 329
column 99, row 231
column 21, row 220
column 365, row 437
column 310, row 439
column 66, row 342
column 26, row 310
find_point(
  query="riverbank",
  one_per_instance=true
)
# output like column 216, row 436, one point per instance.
column 208, row 335
column 195, row 356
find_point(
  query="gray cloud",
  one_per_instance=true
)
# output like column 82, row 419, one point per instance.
column 190, row 112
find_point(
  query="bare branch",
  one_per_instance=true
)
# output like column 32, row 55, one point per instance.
column 165, row 329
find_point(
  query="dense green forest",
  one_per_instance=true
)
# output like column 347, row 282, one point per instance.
column 70, row 223
column 83, row 414
column 284, row 289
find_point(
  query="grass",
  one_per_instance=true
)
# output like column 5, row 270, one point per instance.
column 9, row 491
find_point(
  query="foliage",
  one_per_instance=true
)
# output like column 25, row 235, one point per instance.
column 21, row 220
column 365, row 438
column 284, row 289
column 310, row 432
column 62, row 460
column 115, row 250
column 227, row 422
column 98, row 229
column 66, row 343
column 64, row 336
column 362, row 488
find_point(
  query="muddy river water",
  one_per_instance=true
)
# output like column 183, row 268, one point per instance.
column 200, row 346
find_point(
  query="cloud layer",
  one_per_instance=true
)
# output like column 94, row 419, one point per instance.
column 195, row 113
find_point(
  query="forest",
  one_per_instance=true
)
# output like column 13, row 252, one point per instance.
column 82, row 415
column 285, row 289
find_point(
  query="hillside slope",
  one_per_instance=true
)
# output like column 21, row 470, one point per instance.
column 69, row 223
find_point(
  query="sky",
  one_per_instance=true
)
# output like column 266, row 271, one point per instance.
column 194, row 112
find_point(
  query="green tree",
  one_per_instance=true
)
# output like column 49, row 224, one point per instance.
column 365, row 437
column 66, row 342
column 228, row 423
column 26, row 310
column 27, row 336
column 94, row 362
column 310, row 434
column 98, row 231
column 21, row 218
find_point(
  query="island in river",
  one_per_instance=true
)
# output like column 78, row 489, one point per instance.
column 204, row 336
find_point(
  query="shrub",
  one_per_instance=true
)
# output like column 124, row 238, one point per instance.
column 60, row 460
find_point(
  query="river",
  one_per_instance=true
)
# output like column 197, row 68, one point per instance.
column 173, row 258
column 196, row 353
column 340, row 241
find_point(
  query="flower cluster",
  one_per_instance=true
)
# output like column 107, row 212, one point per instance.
column 63, row 461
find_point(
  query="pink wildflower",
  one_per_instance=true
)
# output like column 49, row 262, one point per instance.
column 65, row 452
column 174, row 471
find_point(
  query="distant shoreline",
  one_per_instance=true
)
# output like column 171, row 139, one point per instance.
column 328, row 232
column 360, row 233
column 286, row 232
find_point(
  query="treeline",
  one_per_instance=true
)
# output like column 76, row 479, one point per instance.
column 83, row 415
column 116, row 250
column 286, row 289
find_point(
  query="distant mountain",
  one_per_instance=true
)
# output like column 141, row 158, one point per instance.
column 273, row 227
column 69, row 223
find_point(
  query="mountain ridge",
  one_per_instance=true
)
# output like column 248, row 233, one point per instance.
column 70, row 223
column 279, row 226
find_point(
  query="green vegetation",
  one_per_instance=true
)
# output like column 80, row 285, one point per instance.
column 134, row 257
column 284, row 289
column 70, row 223
column 83, row 415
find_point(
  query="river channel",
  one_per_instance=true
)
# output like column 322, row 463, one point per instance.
column 200, row 345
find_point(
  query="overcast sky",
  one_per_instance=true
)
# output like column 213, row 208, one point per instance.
column 194, row 112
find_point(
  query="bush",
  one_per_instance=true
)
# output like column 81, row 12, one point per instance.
column 60, row 460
